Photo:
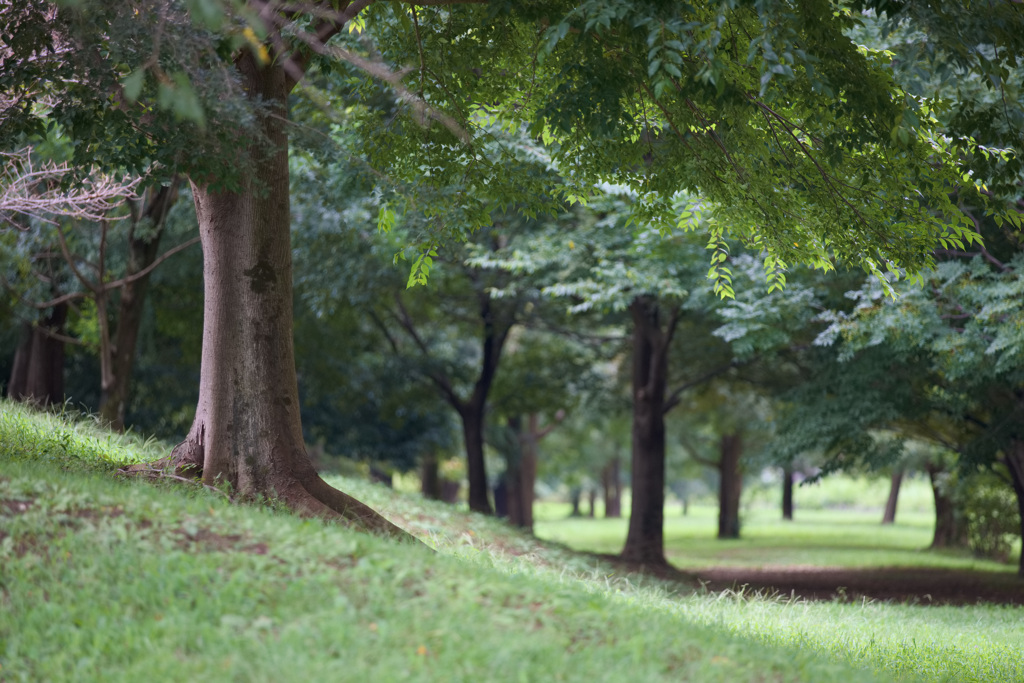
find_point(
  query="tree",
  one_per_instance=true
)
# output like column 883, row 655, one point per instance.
column 774, row 115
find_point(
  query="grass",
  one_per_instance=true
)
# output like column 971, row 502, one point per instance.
column 103, row 578
column 824, row 538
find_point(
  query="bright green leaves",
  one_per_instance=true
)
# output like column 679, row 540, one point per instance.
column 386, row 218
column 419, row 274
column 719, row 273
column 774, row 273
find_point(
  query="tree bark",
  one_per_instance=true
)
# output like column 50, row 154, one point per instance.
column 950, row 530
column 575, row 496
column 17, row 386
column 528, row 470
column 1015, row 463
column 730, row 485
column 611, row 482
column 247, row 432
column 889, row 517
column 645, row 539
column 787, row 493
column 472, row 414
column 430, row 477
column 591, row 503
column 142, row 252
column 37, row 375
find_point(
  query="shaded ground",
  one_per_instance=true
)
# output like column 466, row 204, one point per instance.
column 897, row 584
column 920, row 586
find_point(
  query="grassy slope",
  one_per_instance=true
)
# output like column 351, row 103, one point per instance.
column 107, row 579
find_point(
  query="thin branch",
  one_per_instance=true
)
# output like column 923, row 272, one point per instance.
column 88, row 284
column 149, row 269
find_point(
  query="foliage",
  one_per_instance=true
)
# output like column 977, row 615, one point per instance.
column 800, row 141
column 970, row 66
column 990, row 510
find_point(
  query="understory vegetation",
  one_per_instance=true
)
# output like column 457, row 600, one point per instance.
column 106, row 577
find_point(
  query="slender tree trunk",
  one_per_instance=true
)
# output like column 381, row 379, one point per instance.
column 787, row 493
column 730, row 486
column 528, row 470
column 430, row 477
column 472, row 414
column 17, row 386
column 889, row 517
column 950, row 530
column 575, row 496
column 611, row 482
column 512, row 479
column 38, row 373
column 1015, row 463
column 141, row 254
column 247, row 432
column 645, row 539
column 591, row 503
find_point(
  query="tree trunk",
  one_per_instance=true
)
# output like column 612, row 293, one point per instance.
column 950, row 530
column 611, row 482
column 730, row 486
column 528, row 471
column 575, row 496
column 1015, row 463
column 38, row 373
column 430, row 477
column 473, row 433
column 247, row 432
column 889, row 517
column 787, row 493
column 121, row 354
column 17, row 386
column 645, row 539
column 591, row 503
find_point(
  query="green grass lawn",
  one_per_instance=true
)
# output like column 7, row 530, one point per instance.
column 108, row 579
column 824, row 538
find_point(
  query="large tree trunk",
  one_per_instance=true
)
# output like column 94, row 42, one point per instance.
column 611, row 482
column 247, row 432
column 38, row 372
column 645, row 539
column 787, row 493
column 889, row 516
column 142, row 251
column 730, row 485
column 1015, row 463
column 950, row 530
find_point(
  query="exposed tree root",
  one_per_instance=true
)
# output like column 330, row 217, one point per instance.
column 312, row 497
